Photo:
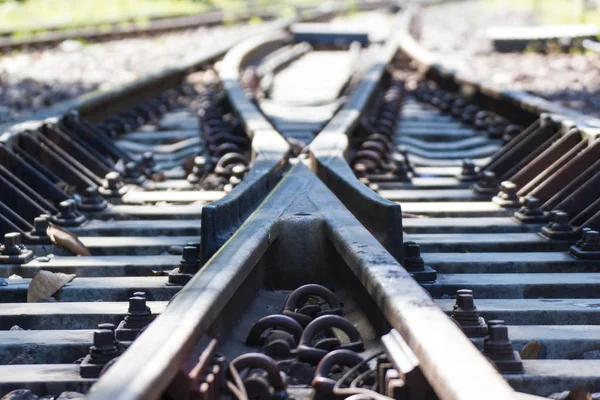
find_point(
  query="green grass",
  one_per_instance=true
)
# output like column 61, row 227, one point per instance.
column 551, row 11
column 30, row 14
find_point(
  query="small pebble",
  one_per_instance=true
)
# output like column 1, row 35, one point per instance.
column 16, row 328
column 22, row 359
column 592, row 355
column 20, row 394
column 70, row 396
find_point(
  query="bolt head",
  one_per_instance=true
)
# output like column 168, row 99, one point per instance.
column 67, row 206
column 489, row 176
column 41, row 224
column 190, row 253
column 561, row 217
column 466, row 302
column 532, row 203
column 148, row 158
column 137, row 305
column 591, row 237
column 12, row 239
column 412, row 250
column 498, row 333
column 103, row 339
column 508, row 187
column 107, row 327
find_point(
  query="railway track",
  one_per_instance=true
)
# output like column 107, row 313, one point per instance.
column 310, row 218
column 41, row 36
column 51, row 34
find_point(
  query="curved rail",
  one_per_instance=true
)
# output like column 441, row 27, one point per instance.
column 522, row 107
column 222, row 218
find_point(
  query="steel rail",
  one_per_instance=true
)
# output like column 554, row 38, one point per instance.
column 407, row 306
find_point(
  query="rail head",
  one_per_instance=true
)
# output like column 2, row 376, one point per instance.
column 328, row 152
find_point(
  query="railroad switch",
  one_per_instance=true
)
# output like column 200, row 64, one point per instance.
column 137, row 318
column 414, row 264
column 101, row 352
column 467, row 316
column 498, row 348
column 13, row 251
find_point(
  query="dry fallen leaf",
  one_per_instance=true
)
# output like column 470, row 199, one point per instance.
column 45, row 283
column 579, row 394
column 67, row 240
column 530, row 351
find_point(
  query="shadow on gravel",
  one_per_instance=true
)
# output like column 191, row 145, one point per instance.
column 22, row 98
column 584, row 101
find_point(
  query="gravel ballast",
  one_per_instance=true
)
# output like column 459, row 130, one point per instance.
column 456, row 33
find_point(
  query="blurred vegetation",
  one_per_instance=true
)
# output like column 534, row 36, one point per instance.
column 24, row 16
column 554, row 11
column 28, row 15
